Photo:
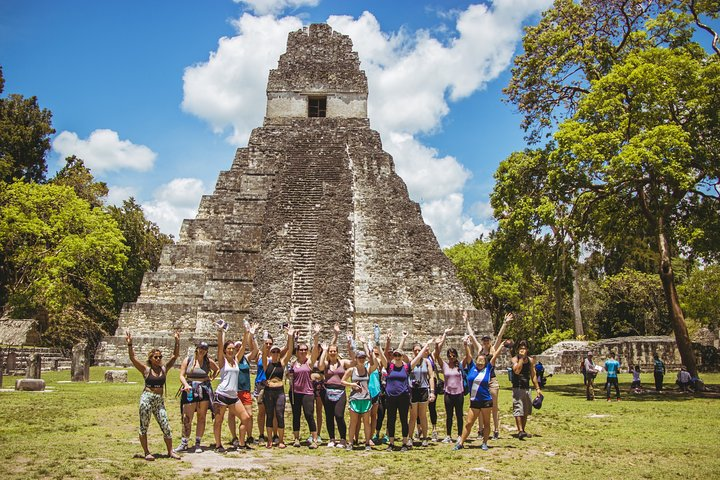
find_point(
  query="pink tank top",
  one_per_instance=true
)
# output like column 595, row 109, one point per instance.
column 302, row 383
column 334, row 374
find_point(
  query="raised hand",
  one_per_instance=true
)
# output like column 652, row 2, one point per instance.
column 253, row 328
column 465, row 316
column 177, row 335
column 128, row 337
column 324, row 346
column 290, row 330
column 362, row 339
column 447, row 330
column 316, row 328
column 509, row 317
column 404, row 333
column 336, row 327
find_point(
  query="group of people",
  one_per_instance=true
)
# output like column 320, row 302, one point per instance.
column 384, row 383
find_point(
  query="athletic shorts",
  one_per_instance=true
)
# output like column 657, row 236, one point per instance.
column 245, row 397
column 522, row 404
column 375, row 399
column 480, row 403
column 219, row 397
column 419, row 395
column 360, row 406
column 259, row 391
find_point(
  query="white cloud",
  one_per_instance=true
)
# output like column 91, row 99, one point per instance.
column 264, row 7
column 103, row 151
column 118, row 194
column 229, row 89
column 482, row 210
column 413, row 80
column 173, row 202
column 450, row 225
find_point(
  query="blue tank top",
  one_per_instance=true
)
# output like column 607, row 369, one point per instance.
column 480, row 382
column 260, row 376
column 397, row 380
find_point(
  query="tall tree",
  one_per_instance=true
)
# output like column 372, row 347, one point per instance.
column 645, row 142
column 77, row 176
column 57, row 255
column 25, row 131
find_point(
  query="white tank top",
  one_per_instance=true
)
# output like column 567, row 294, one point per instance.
column 228, row 379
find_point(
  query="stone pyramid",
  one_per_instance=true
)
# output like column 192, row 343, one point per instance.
column 311, row 224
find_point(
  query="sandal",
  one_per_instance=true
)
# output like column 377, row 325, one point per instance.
column 269, row 444
column 174, row 455
column 149, row 457
column 281, row 445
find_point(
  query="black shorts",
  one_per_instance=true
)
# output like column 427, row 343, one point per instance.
column 226, row 400
column 419, row 395
column 480, row 404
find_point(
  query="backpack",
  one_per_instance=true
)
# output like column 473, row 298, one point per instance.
column 466, row 385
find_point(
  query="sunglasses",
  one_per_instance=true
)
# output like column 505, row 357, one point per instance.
column 302, row 349
column 157, row 357
column 397, row 354
column 451, row 355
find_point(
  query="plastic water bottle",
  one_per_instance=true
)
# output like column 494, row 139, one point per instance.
column 190, row 395
column 265, row 335
column 376, row 334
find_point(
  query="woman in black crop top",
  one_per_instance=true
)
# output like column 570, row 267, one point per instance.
column 151, row 400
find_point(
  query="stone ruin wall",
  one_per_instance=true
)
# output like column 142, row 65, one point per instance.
column 310, row 222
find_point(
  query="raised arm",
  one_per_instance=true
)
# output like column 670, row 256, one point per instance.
column 131, row 353
column 254, row 350
column 439, row 342
column 290, row 339
column 351, row 350
column 388, row 349
column 315, row 353
column 242, row 347
column 468, row 352
column 508, row 318
column 336, row 333
column 471, row 334
column 220, row 342
column 415, row 361
column 176, row 352
column 402, row 340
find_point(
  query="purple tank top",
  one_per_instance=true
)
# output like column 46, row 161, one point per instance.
column 334, row 374
column 397, row 380
column 301, row 378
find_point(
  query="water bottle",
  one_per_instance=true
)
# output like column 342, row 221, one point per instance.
column 247, row 325
column 376, row 334
column 265, row 335
column 190, row 395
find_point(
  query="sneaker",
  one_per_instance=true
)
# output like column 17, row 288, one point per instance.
column 435, row 436
column 198, row 448
column 296, row 443
column 276, row 440
column 349, row 447
column 341, row 444
column 310, row 439
column 496, row 435
column 313, row 445
column 447, row 439
column 390, row 447
column 404, row 448
column 458, row 446
column 331, row 443
column 249, row 440
column 522, row 435
column 319, row 440
column 484, row 446
column 376, row 439
column 220, row 449
column 409, row 445
column 424, row 442
column 385, row 439
column 368, row 448
column 183, row 447
column 235, row 443
column 262, row 439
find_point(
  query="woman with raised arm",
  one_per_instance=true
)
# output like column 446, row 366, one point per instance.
column 274, row 395
column 479, row 373
column 397, row 389
column 226, row 396
column 243, row 393
column 377, row 393
column 334, row 369
column 454, row 391
column 357, row 377
column 302, row 390
column 196, row 373
column 422, row 391
column 151, row 399
column 488, row 349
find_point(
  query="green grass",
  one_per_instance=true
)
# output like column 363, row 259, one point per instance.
column 90, row 431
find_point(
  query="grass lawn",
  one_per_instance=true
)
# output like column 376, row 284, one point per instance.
column 90, row 431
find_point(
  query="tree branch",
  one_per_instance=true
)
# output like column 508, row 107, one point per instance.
column 705, row 27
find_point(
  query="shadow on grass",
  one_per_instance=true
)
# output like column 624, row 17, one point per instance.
column 666, row 395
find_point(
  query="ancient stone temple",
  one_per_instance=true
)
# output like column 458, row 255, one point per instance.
column 310, row 225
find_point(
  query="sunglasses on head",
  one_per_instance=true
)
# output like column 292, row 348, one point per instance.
column 396, row 354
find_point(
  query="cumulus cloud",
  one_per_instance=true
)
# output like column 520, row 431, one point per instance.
column 118, row 194
column 103, row 151
column 173, row 202
column 413, row 77
column 229, row 89
column 265, row 7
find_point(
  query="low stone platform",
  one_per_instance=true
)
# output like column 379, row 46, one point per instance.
column 30, row 384
column 116, row 376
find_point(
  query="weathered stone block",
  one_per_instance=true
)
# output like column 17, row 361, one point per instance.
column 30, row 384
column 116, row 376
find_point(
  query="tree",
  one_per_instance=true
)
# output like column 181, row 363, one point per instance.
column 57, row 255
column 77, row 176
column 25, row 132
column 645, row 144
column 577, row 43
column 145, row 243
column 700, row 296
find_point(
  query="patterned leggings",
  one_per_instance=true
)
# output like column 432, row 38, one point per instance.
column 153, row 403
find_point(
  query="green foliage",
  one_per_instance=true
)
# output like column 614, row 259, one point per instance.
column 25, row 132
column 76, row 175
column 58, row 254
column 634, row 304
column 553, row 337
column 700, row 296
column 145, row 243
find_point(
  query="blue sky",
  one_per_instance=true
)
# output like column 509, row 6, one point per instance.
column 155, row 96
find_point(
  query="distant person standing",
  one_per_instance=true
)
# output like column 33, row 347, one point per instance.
column 612, row 366
column 523, row 367
column 658, row 372
column 591, row 371
column 635, row 385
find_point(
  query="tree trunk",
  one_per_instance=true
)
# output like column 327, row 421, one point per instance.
column 677, row 318
column 558, row 301
column 577, row 315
